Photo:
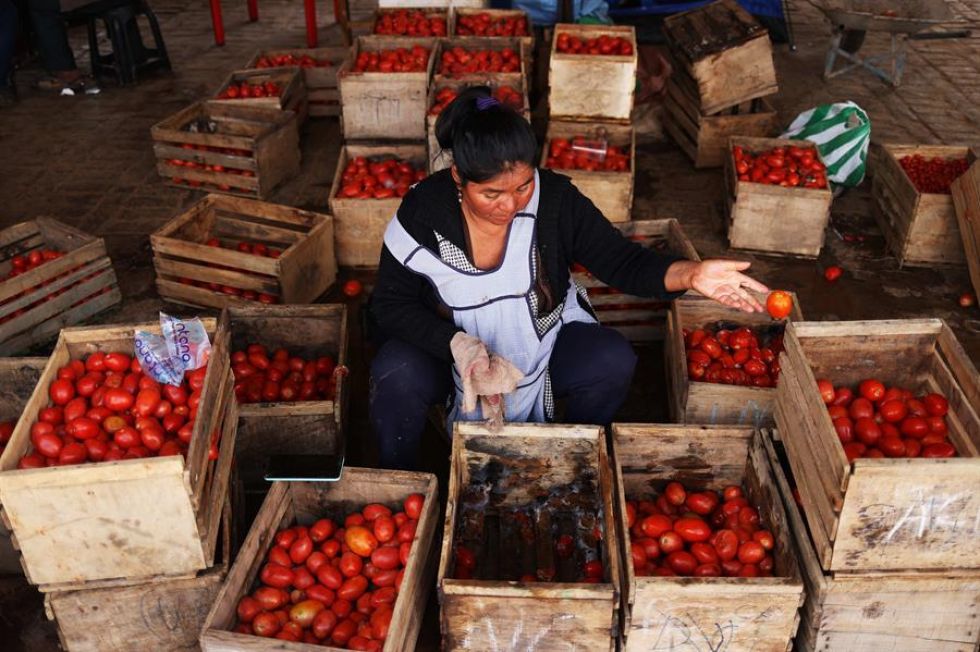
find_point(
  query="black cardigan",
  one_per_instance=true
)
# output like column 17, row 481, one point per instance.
column 570, row 229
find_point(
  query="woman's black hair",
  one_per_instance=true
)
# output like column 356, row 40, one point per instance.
column 486, row 138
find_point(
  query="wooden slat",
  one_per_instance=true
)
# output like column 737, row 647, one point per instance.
column 966, row 203
column 612, row 79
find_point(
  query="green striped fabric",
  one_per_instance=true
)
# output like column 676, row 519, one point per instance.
column 842, row 133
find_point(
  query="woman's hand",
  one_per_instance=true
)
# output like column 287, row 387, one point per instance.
column 721, row 280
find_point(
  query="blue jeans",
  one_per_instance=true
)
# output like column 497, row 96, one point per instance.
column 591, row 367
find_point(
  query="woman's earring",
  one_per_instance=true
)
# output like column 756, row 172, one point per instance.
column 459, row 194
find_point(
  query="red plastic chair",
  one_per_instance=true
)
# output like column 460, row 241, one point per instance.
column 309, row 8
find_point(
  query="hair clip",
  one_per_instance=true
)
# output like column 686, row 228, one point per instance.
column 484, row 103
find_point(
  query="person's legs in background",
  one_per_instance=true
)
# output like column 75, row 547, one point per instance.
column 591, row 367
column 56, row 54
column 8, row 36
column 405, row 382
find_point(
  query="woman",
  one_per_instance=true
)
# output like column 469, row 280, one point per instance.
column 477, row 261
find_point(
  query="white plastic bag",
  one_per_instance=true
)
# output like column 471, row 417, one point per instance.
column 183, row 346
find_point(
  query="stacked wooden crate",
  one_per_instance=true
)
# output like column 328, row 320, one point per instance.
column 65, row 290
column 291, row 94
column 893, row 560
column 723, row 75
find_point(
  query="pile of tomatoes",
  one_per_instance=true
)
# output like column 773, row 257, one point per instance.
column 103, row 408
column 332, row 585
column 876, row 421
column 933, row 175
column 245, row 90
column 461, row 61
column 415, row 59
column 790, row 167
column 405, row 22
column 23, row 263
column 506, row 95
column 732, row 357
column 221, row 169
column 6, row 430
column 483, row 24
column 283, row 377
column 252, row 248
column 604, row 45
column 365, row 178
column 565, row 154
column 699, row 534
column 33, row 259
column 284, row 60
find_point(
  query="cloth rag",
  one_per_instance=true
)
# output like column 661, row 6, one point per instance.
column 486, row 378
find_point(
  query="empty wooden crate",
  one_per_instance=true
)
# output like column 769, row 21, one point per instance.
column 697, row 401
column 512, row 496
column 226, row 251
column 124, row 521
column 62, row 291
column 303, row 503
column 771, row 218
column 591, row 86
column 733, row 613
column 218, row 147
column 725, row 51
column 640, row 319
column 920, row 227
column 892, row 514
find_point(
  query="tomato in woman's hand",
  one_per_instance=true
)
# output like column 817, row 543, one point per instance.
column 779, row 304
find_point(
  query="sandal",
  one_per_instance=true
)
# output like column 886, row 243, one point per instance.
column 83, row 85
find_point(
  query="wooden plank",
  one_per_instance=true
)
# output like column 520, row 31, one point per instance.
column 612, row 79
column 966, row 203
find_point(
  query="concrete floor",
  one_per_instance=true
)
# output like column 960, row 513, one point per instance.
column 88, row 161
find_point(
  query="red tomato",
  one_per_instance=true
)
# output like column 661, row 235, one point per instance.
column 655, row 525
column 751, row 552
column 936, row 405
column 872, row 389
column 779, row 304
column 833, row 273
column 61, row 391
column 692, row 529
column 893, row 411
column 826, row 389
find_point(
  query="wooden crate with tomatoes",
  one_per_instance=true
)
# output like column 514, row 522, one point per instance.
column 697, row 330
column 441, row 93
column 530, row 532
column 360, row 215
column 725, row 51
column 884, row 447
column 744, row 595
column 18, row 376
column 600, row 159
column 228, row 251
column 639, row 319
column 966, row 202
column 145, row 503
column 298, row 415
column 379, row 103
column 920, row 611
column 478, row 22
column 418, row 22
column 51, row 275
column 164, row 614
column 270, row 88
column 391, row 4
column 704, row 137
column 399, row 506
column 480, row 60
column 319, row 73
column 773, row 208
column 223, row 147
column 605, row 56
column 917, row 216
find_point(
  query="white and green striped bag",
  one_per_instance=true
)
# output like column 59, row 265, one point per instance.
column 842, row 133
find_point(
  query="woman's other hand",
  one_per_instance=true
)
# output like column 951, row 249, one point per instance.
column 721, row 280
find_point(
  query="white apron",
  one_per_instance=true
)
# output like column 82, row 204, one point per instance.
column 499, row 307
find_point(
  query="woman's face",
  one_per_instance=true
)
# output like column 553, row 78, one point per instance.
column 498, row 199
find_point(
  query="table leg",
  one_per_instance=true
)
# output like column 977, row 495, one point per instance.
column 309, row 7
column 217, row 23
column 253, row 10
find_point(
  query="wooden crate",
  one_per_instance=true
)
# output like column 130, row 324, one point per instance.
column 66, row 291
column 360, row 223
column 882, row 514
column 611, row 80
column 920, row 228
column 304, row 270
column 712, row 403
column 255, row 148
column 18, row 376
column 438, row 158
column 774, row 219
column 384, row 105
column 429, row 11
column 611, row 192
column 703, row 137
column 639, row 319
column 475, row 43
column 913, row 612
column 322, row 95
column 662, row 613
column 303, row 427
column 290, row 80
column 432, row 3
column 527, row 42
column 561, row 472
column 305, row 502
column 966, row 202
column 126, row 521
column 163, row 615
column 726, row 51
